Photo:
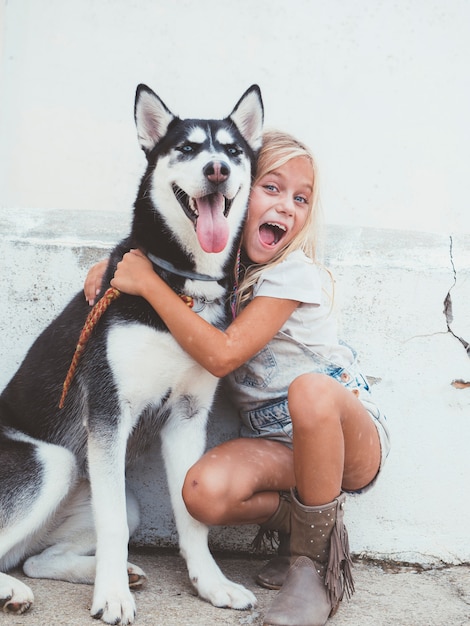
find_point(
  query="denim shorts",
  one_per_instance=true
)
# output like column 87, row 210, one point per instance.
column 270, row 418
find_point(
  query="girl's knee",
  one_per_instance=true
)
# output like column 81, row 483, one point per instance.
column 204, row 496
column 193, row 489
column 310, row 384
column 310, row 391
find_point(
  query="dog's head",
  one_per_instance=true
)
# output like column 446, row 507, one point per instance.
column 200, row 171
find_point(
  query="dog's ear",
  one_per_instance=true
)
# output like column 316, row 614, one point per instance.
column 248, row 115
column 152, row 117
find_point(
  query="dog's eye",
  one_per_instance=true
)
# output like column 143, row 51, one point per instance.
column 187, row 148
column 233, row 150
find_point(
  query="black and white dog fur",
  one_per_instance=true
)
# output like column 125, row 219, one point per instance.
column 62, row 472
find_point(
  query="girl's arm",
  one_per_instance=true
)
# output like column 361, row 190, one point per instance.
column 220, row 352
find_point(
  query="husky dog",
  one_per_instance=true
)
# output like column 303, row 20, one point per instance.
column 63, row 504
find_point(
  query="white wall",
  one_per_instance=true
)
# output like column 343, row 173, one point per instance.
column 392, row 285
column 380, row 90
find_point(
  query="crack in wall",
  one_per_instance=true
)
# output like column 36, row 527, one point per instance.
column 449, row 315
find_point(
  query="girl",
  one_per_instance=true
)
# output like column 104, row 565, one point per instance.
column 310, row 429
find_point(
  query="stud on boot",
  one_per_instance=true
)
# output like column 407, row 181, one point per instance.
column 321, row 569
column 273, row 574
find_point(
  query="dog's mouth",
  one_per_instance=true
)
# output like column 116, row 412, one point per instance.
column 209, row 216
column 271, row 233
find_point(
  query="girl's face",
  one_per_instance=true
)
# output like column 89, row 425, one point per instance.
column 279, row 206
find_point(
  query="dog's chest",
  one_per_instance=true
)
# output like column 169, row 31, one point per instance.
column 148, row 364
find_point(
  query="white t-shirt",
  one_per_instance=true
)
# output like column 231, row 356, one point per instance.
column 313, row 322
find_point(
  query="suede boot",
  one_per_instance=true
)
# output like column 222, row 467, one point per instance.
column 273, row 574
column 320, row 573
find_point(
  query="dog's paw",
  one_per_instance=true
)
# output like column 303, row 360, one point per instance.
column 231, row 595
column 227, row 594
column 114, row 608
column 15, row 596
column 137, row 577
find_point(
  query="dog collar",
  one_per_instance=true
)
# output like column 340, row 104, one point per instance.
column 169, row 267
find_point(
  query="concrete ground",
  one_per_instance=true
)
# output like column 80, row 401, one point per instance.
column 385, row 595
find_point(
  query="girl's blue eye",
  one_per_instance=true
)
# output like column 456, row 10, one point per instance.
column 300, row 199
column 270, row 187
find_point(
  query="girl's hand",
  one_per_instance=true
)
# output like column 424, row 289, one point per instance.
column 93, row 281
column 133, row 273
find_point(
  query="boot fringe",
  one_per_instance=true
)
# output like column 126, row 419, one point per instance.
column 265, row 539
column 267, row 536
column 338, row 576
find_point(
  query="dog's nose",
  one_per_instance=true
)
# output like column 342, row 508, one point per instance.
column 217, row 171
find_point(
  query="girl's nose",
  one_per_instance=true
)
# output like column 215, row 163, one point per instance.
column 285, row 206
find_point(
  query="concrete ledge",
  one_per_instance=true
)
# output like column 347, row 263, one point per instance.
column 391, row 290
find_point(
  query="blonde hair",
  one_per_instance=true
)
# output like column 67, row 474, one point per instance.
column 277, row 149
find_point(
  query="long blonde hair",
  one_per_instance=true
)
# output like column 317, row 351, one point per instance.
column 278, row 148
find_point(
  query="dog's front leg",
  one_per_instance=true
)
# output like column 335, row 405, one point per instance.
column 183, row 443
column 113, row 603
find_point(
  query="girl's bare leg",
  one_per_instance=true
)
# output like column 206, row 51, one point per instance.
column 336, row 444
column 238, row 482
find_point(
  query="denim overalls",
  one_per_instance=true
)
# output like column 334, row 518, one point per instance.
column 259, row 388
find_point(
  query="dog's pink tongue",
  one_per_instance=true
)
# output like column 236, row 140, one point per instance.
column 212, row 227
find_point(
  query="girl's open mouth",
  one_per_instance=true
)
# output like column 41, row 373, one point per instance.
column 271, row 233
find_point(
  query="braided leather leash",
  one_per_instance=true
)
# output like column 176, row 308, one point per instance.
column 92, row 319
